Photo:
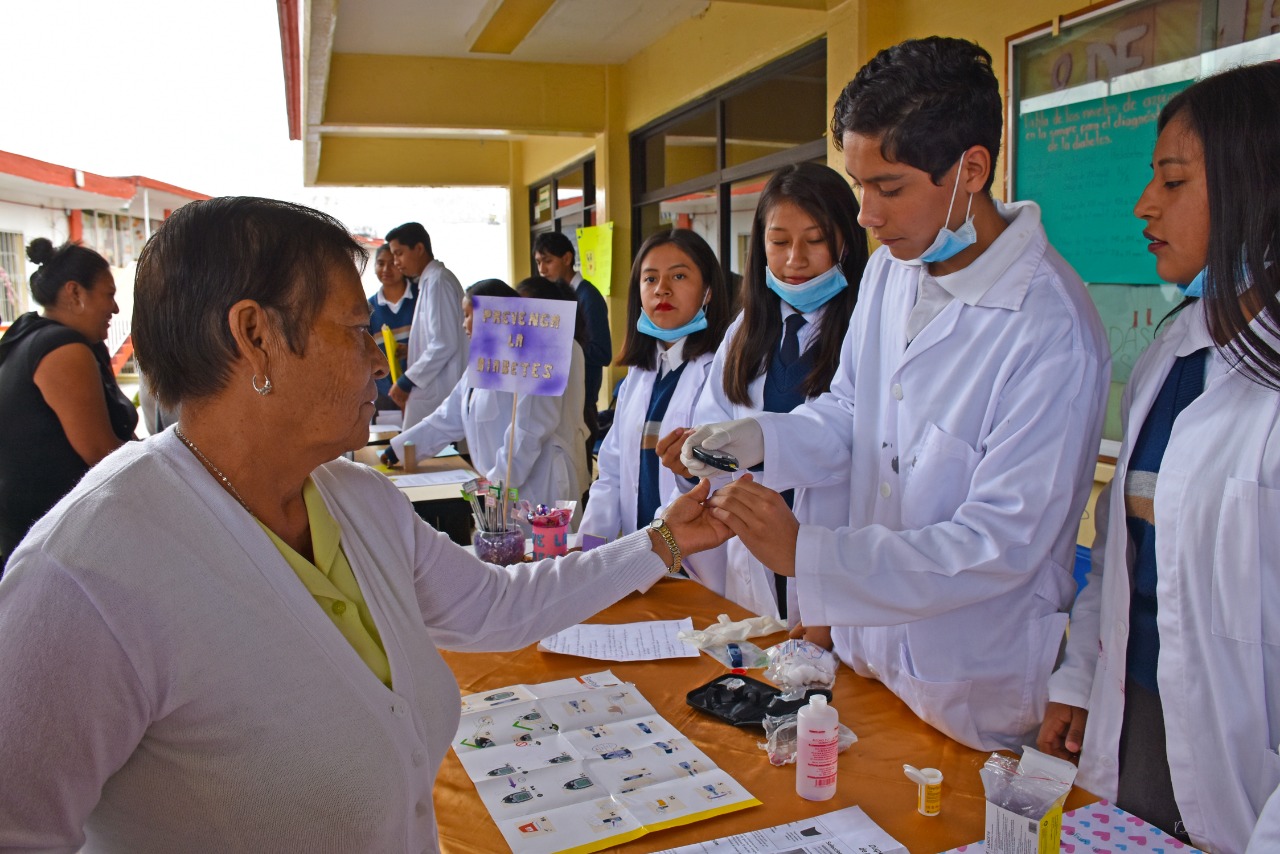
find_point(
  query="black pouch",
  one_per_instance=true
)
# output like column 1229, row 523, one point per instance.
column 743, row 701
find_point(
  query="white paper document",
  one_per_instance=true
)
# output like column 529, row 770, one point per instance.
column 432, row 478
column 584, row 764
column 623, row 641
column 846, row 831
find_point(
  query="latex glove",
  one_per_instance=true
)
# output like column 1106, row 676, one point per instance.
column 742, row 438
column 725, row 631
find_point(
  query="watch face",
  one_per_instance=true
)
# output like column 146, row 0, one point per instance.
column 656, row 524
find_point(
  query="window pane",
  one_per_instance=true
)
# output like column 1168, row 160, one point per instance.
column 681, row 152
column 776, row 114
column 569, row 189
column 107, row 237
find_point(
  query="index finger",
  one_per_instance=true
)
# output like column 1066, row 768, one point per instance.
column 666, row 442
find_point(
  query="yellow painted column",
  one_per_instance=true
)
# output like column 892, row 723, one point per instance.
column 613, row 203
column 518, row 217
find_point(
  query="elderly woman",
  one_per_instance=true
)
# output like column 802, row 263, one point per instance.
column 225, row 637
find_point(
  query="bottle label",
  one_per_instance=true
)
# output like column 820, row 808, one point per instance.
column 822, row 758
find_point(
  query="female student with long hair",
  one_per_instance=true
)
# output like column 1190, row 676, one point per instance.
column 804, row 265
column 1169, row 694
column 546, row 459
column 677, row 311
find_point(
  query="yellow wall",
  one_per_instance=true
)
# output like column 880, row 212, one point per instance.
column 704, row 53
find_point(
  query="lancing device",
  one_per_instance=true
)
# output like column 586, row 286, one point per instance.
column 716, row 459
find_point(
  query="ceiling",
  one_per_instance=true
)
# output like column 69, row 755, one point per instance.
column 597, row 32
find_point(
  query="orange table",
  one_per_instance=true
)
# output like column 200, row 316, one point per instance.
column 871, row 777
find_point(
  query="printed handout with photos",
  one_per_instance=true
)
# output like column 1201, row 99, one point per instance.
column 582, row 764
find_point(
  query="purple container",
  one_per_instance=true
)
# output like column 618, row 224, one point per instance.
column 501, row 547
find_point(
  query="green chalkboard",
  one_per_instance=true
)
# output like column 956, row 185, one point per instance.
column 1086, row 164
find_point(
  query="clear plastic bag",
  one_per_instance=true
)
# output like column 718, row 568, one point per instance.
column 780, row 738
column 1030, row 786
column 797, row 666
column 738, row 655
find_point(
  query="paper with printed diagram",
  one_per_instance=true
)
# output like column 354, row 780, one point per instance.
column 585, row 764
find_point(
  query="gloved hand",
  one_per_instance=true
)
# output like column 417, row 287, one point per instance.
column 742, row 438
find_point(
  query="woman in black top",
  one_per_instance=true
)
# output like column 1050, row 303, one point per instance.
column 63, row 411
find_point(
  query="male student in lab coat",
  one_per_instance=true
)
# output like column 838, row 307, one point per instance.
column 965, row 417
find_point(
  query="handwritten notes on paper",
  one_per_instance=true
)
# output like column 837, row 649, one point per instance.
column 623, row 641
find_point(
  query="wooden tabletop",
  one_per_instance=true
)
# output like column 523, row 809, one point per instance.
column 440, row 492
column 871, row 776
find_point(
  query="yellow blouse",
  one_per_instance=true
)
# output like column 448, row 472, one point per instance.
column 333, row 584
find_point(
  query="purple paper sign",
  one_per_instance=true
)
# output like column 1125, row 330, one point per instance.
column 521, row 345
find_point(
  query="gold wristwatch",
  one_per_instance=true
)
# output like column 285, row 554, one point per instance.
column 659, row 526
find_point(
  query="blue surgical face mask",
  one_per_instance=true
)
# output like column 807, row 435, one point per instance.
column 1195, row 288
column 647, row 327
column 950, row 243
column 813, row 294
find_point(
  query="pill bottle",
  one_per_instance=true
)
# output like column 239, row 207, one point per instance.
column 817, row 749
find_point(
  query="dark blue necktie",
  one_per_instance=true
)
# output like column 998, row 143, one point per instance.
column 790, row 352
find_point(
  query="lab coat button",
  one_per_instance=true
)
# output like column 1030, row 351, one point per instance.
column 897, row 391
column 339, row 608
column 399, row 709
column 419, row 757
column 885, row 490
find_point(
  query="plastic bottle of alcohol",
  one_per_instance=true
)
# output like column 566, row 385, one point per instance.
column 817, row 748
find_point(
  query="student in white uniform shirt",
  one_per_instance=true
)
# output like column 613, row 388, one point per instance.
column 677, row 311
column 437, row 348
column 964, row 419
column 547, row 458
column 806, row 257
column 1169, row 693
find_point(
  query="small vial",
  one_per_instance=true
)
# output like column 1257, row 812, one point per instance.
column 410, row 452
column 928, row 789
column 817, row 749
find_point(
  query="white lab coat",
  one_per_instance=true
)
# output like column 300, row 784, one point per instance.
column 611, row 507
column 968, row 457
column 1217, row 511
column 548, row 458
column 731, row 570
column 437, row 342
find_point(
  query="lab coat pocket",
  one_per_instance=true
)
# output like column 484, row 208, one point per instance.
column 484, row 407
column 936, row 478
column 1246, row 554
column 942, row 705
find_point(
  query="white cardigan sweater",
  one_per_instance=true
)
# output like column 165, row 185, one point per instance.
column 169, row 685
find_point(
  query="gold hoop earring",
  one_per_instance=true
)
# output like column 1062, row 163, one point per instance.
column 265, row 389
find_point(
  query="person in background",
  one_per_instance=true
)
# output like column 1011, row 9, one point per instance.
column 554, row 256
column 1169, row 692
column 392, row 306
column 437, row 350
column 804, row 265
column 63, row 411
column 227, row 637
column 964, row 418
column 545, row 448
column 677, row 311
column 572, row 421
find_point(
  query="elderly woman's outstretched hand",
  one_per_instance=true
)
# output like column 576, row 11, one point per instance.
column 691, row 522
